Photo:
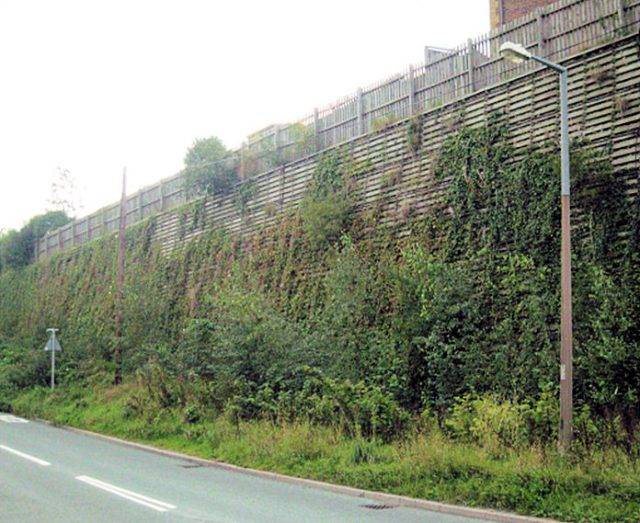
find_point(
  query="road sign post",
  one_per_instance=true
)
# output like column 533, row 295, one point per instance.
column 53, row 346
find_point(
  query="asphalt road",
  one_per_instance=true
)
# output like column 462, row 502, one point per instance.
column 49, row 474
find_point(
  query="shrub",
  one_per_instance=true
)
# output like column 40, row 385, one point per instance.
column 491, row 424
column 325, row 219
column 325, row 211
column 358, row 409
column 20, row 368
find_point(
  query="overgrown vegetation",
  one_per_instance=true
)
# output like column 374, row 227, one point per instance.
column 209, row 168
column 602, row 485
column 17, row 247
column 326, row 209
column 438, row 347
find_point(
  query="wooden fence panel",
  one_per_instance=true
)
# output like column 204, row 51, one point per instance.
column 556, row 31
column 530, row 105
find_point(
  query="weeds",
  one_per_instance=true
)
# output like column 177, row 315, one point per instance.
column 603, row 486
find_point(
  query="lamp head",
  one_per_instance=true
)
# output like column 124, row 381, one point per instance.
column 515, row 53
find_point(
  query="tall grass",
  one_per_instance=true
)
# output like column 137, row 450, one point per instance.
column 599, row 486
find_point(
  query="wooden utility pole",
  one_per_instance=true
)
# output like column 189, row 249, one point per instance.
column 117, row 350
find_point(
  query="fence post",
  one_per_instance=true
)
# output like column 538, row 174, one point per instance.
column 60, row 241
column 282, row 186
column 470, row 65
column 621, row 14
column 412, row 91
column 276, row 143
column 542, row 36
column 73, row 232
column 360, row 110
column 316, row 127
column 241, row 167
column 162, row 196
column 140, row 209
column 181, row 193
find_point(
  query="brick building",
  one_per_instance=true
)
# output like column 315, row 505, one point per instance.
column 503, row 11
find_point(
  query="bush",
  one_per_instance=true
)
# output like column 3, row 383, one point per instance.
column 325, row 219
column 244, row 337
column 496, row 424
column 489, row 423
column 20, row 369
column 325, row 211
column 358, row 409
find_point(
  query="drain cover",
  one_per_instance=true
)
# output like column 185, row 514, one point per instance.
column 378, row 506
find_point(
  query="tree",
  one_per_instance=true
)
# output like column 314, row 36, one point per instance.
column 43, row 223
column 208, row 168
column 14, row 249
column 64, row 195
column 17, row 248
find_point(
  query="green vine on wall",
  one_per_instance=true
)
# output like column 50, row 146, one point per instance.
column 414, row 134
column 245, row 192
column 463, row 302
column 325, row 211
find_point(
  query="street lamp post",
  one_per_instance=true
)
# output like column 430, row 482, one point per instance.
column 517, row 53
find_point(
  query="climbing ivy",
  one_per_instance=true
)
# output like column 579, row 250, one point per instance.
column 461, row 301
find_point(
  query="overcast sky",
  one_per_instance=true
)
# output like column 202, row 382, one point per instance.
column 92, row 86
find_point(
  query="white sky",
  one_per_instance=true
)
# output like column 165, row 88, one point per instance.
column 94, row 85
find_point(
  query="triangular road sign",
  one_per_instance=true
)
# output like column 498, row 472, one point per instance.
column 53, row 345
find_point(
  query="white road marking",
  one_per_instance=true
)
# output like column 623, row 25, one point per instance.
column 155, row 504
column 26, row 456
column 8, row 418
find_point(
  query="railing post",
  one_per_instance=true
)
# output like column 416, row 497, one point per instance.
column 542, row 35
column 470, row 65
column 282, row 186
column 181, row 194
column 412, row 91
column 622, row 22
column 276, row 143
column 140, row 209
column 241, row 166
column 162, row 195
column 73, row 233
column 360, row 110
column 316, row 128
column 60, row 240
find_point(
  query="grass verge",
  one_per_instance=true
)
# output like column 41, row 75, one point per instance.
column 598, row 486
